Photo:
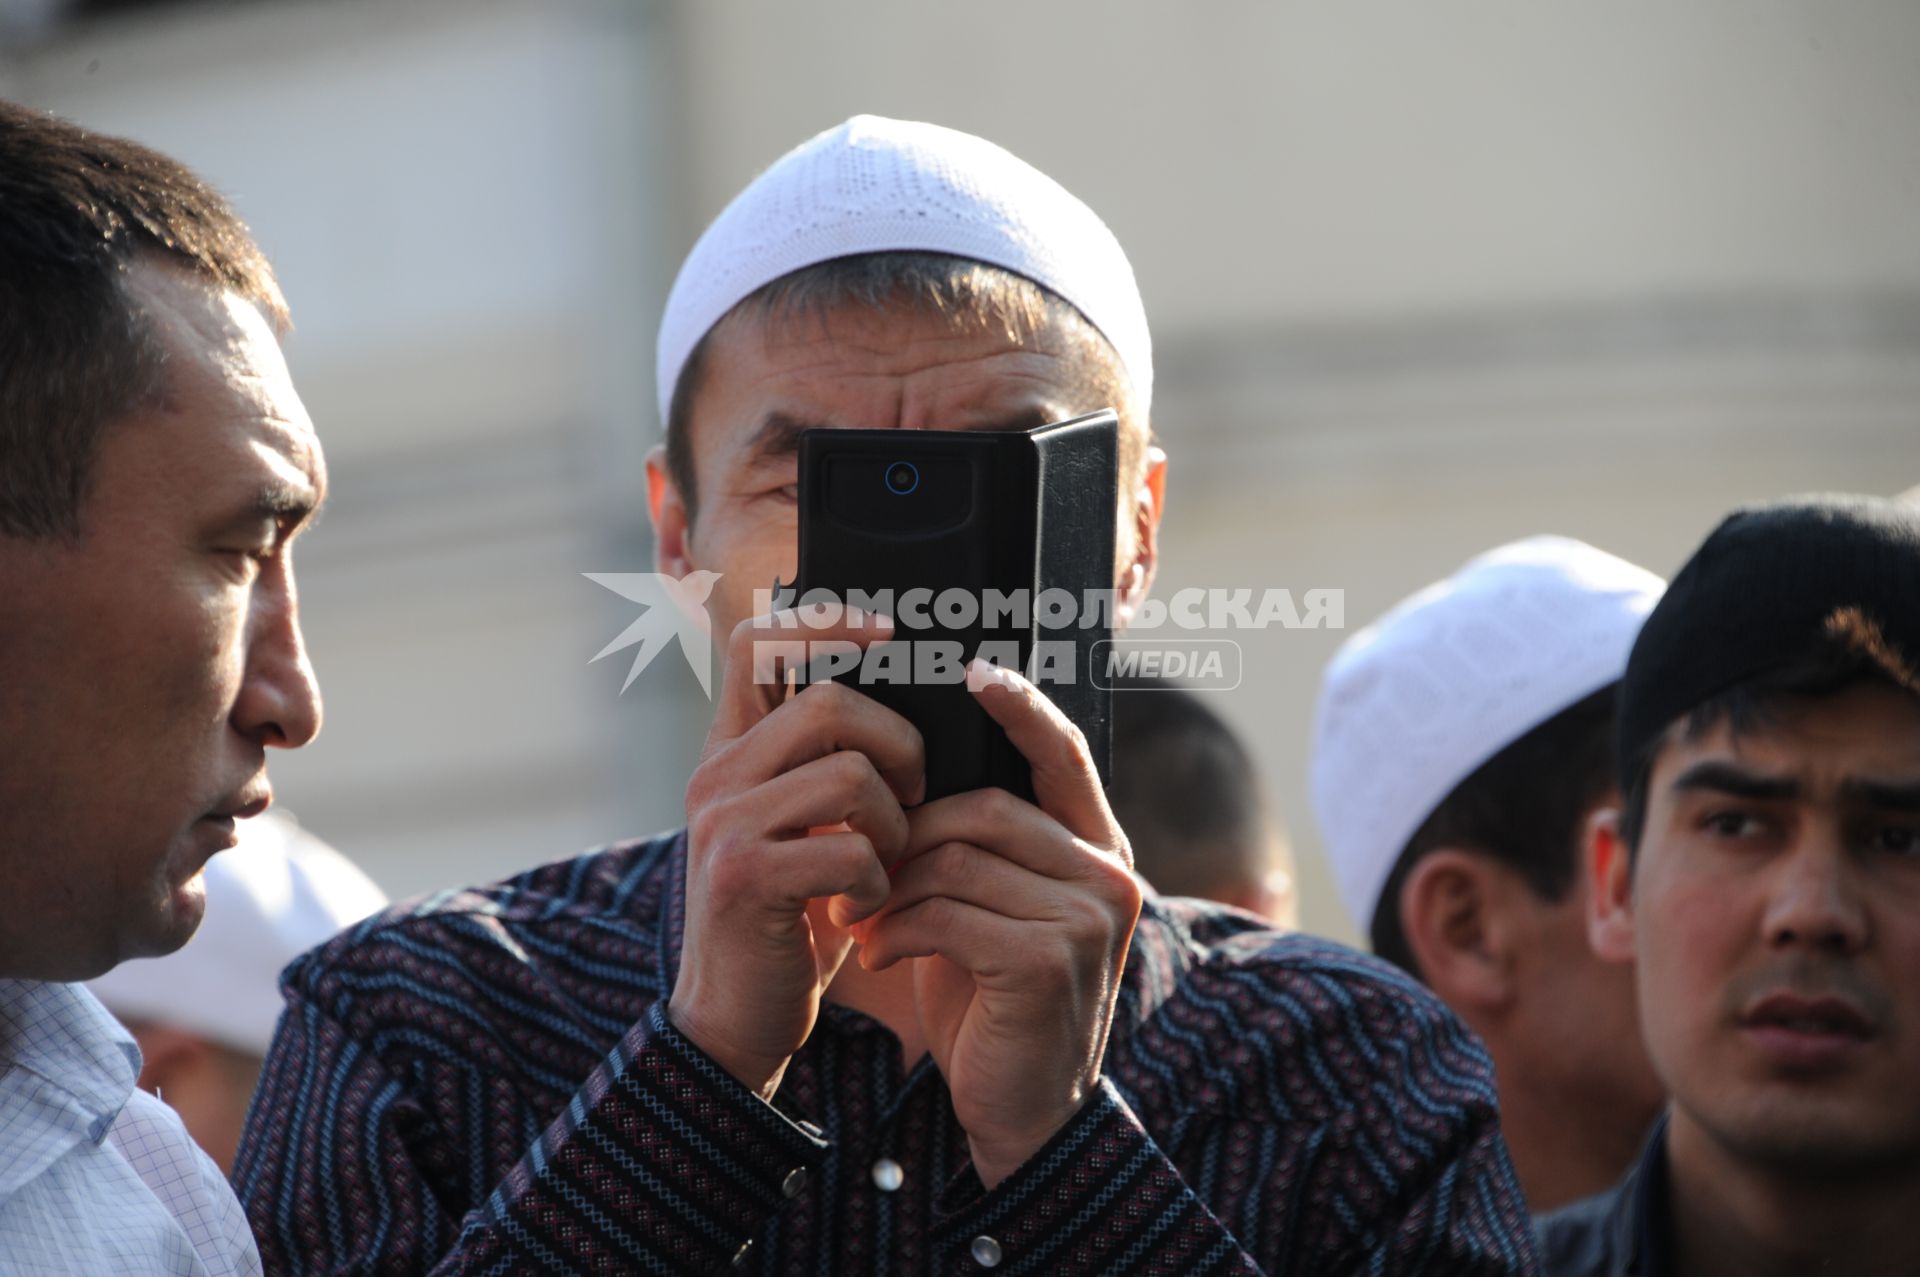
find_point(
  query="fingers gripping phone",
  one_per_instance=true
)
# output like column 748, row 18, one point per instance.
column 978, row 543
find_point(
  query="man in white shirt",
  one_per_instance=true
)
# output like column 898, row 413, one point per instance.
column 155, row 463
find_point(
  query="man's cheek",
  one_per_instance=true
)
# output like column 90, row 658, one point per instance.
column 206, row 650
column 1699, row 956
column 732, row 602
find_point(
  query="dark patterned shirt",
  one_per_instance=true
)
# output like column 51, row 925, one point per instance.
column 486, row 1082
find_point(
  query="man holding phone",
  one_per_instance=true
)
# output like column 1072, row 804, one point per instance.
column 832, row 1027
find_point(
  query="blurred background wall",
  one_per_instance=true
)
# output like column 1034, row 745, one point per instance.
column 1423, row 278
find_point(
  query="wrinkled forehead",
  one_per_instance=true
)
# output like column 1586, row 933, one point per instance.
column 961, row 294
column 220, row 345
column 908, row 327
column 903, row 363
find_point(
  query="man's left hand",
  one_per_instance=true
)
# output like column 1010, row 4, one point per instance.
column 1019, row 915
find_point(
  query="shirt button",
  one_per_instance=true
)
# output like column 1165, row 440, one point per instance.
column 887, row 1175
column 795, row 1181
column 986, row 1251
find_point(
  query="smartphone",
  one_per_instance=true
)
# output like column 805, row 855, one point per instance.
column 973, row 541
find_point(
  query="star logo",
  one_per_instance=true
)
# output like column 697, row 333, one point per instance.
column 675, row 608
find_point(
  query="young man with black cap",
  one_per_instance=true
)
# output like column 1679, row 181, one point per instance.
column 664, row 1057
column 1764, row 878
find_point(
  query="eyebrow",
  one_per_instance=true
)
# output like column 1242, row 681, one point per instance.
column 1901, row 796
column 778, row 434
column 1725, row 778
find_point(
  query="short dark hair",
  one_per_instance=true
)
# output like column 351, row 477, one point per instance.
column 77, row 208
column 1185, row 791
column 967, row 292
column 1522, row 807
column 1851, row 652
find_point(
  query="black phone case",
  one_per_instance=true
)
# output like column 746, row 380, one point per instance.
column 1039, row 514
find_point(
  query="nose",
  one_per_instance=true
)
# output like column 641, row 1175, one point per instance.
column 1814, row 902
column 279, row 702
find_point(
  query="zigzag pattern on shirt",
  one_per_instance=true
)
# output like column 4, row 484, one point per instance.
column 485, row 1081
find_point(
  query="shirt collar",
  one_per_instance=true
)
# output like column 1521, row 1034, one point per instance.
column 1159, row 956
column 1651, row 1207
column 674, row 923
column 66, row 1070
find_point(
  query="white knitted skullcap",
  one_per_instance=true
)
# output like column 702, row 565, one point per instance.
column 1416, row 702
column 874, row 185
column 279, row 892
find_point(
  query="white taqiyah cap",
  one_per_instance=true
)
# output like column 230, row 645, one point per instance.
column 875, row 185
column 276, row 894
column 1416, row 702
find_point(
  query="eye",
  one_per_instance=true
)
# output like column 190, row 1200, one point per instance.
column 789, row 492
column 248, row 561
column 247, row 543
column 1726, row 823
column 1897, row 840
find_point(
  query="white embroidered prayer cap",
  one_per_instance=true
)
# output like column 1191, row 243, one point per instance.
column 874, row 185
column 279, row 892
column 1413, row 704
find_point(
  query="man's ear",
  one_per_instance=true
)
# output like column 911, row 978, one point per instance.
column 672, row 529
column 1149, row 501
column 1453, row 912
column 1609, row 870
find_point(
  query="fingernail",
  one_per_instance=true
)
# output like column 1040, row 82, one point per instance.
column 982, row 674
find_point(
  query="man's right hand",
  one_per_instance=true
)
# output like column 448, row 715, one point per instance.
column 757, row 957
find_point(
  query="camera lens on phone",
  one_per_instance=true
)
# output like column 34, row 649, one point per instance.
column 902, row 478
